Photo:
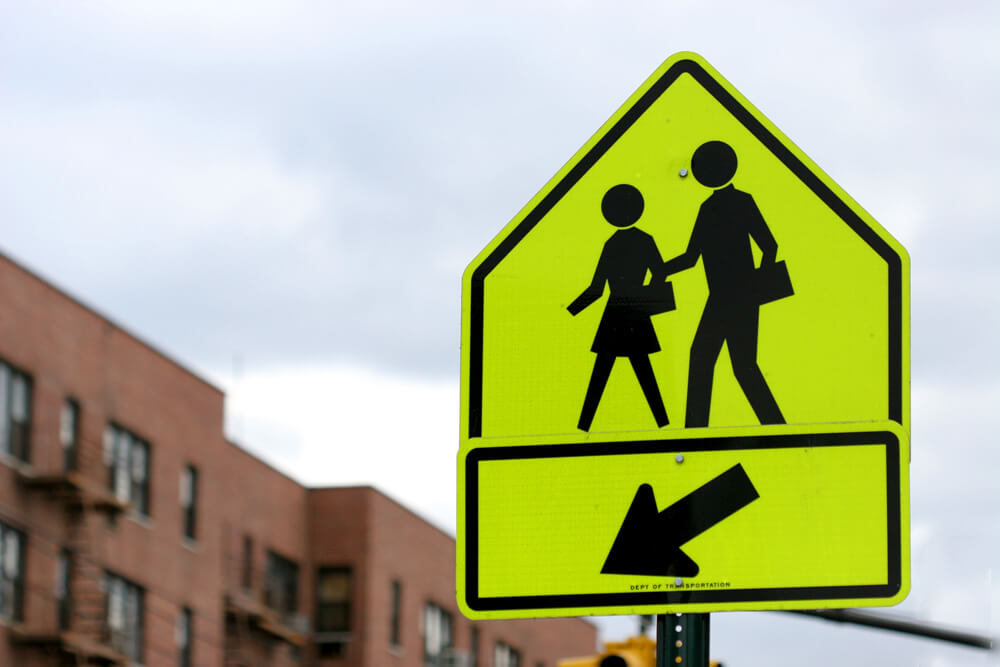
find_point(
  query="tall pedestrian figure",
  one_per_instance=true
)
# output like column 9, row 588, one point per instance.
column 726, row 222
column 625, row 329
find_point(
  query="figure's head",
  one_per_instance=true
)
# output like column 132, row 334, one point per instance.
column 622, row 205
column 714, row 164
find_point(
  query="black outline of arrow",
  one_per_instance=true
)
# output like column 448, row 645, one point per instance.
column 649, row 542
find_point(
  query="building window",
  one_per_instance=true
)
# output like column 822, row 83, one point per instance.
column 333, row 599
column 125, row 616
column 334, row 649
column 183, row 636
column 127, row 458
column 474, row 646
column 437, row 635
column 333, row 610
column 64, row 594
column 11, row 573
column 15, row 412
column 247, row 564
column 506, row 656
column 396, row 601
column 189, row 499
column 282, row 591
column 69, row 427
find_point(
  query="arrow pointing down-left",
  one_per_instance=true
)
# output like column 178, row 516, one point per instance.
column 649, row 542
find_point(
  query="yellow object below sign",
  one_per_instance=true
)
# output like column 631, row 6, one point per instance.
column 770, row 517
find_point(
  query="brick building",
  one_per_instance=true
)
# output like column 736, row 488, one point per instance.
column 133, row 532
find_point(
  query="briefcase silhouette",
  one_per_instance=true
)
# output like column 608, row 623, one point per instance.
column 771, row 282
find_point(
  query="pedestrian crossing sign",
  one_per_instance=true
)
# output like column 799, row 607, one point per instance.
column 689, row 268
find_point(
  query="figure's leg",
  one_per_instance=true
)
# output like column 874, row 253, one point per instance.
column 598, row 380
column 742, row 344
column 647, row 380
column 704, row 353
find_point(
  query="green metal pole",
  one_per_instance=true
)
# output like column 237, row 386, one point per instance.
column 682, row 640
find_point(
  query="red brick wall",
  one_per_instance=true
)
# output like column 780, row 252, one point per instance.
column 398, row 544
column 258, row 501
column 69, row 350
column 340, row 534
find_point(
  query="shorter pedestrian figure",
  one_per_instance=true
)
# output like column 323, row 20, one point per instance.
column 625, row 329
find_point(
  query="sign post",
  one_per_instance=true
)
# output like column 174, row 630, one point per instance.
column 682, row 639
column 685, row 378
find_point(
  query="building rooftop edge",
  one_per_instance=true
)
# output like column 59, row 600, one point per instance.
column 41, row 278
column 335, row 487
column 267, row 464
column 405, row 508
column 37, row 275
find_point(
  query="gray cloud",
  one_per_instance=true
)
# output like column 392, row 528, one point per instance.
column 299, row 182
column 418, row 138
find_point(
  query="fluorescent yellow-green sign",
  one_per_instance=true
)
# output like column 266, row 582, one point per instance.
column 687, row 273
column 775, row 517
column 834, row 350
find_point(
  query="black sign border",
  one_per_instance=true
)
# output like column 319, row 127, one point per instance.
column 696, row 596
column 766, row 137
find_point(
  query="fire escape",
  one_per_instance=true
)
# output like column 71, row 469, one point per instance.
column 253, row 626
column 81, row 633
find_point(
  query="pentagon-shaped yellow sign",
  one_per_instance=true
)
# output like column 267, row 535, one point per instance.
column 689, row 267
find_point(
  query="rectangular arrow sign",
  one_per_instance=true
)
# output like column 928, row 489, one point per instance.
column 772, row 517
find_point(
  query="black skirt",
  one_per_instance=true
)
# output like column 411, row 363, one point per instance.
column 625, row 331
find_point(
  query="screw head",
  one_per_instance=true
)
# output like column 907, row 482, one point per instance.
column 678, row 581
column 683, row 173
column 679, row 458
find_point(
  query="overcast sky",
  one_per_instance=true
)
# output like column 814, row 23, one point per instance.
column 283, row 195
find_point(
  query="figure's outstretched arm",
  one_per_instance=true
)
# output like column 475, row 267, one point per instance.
column 589, row 296
column 680, row 263
column 688, row 258
column 593, row 291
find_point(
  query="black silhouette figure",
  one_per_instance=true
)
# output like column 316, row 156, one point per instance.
column 726, row 222
column 625, row 329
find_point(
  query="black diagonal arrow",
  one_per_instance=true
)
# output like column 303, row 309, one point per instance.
column 649, row 542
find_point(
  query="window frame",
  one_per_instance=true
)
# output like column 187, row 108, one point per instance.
column 184, row 637
column 505, row 655
column 12, row 584
column 130, row 639
column 439, row 629
column 344, row 604
column 15, row 443
column 64, row 588
column 246, row 565
column 189, row 502
column 285, row 574
column 395, row 613
column 69, row 437
column 127, row 486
